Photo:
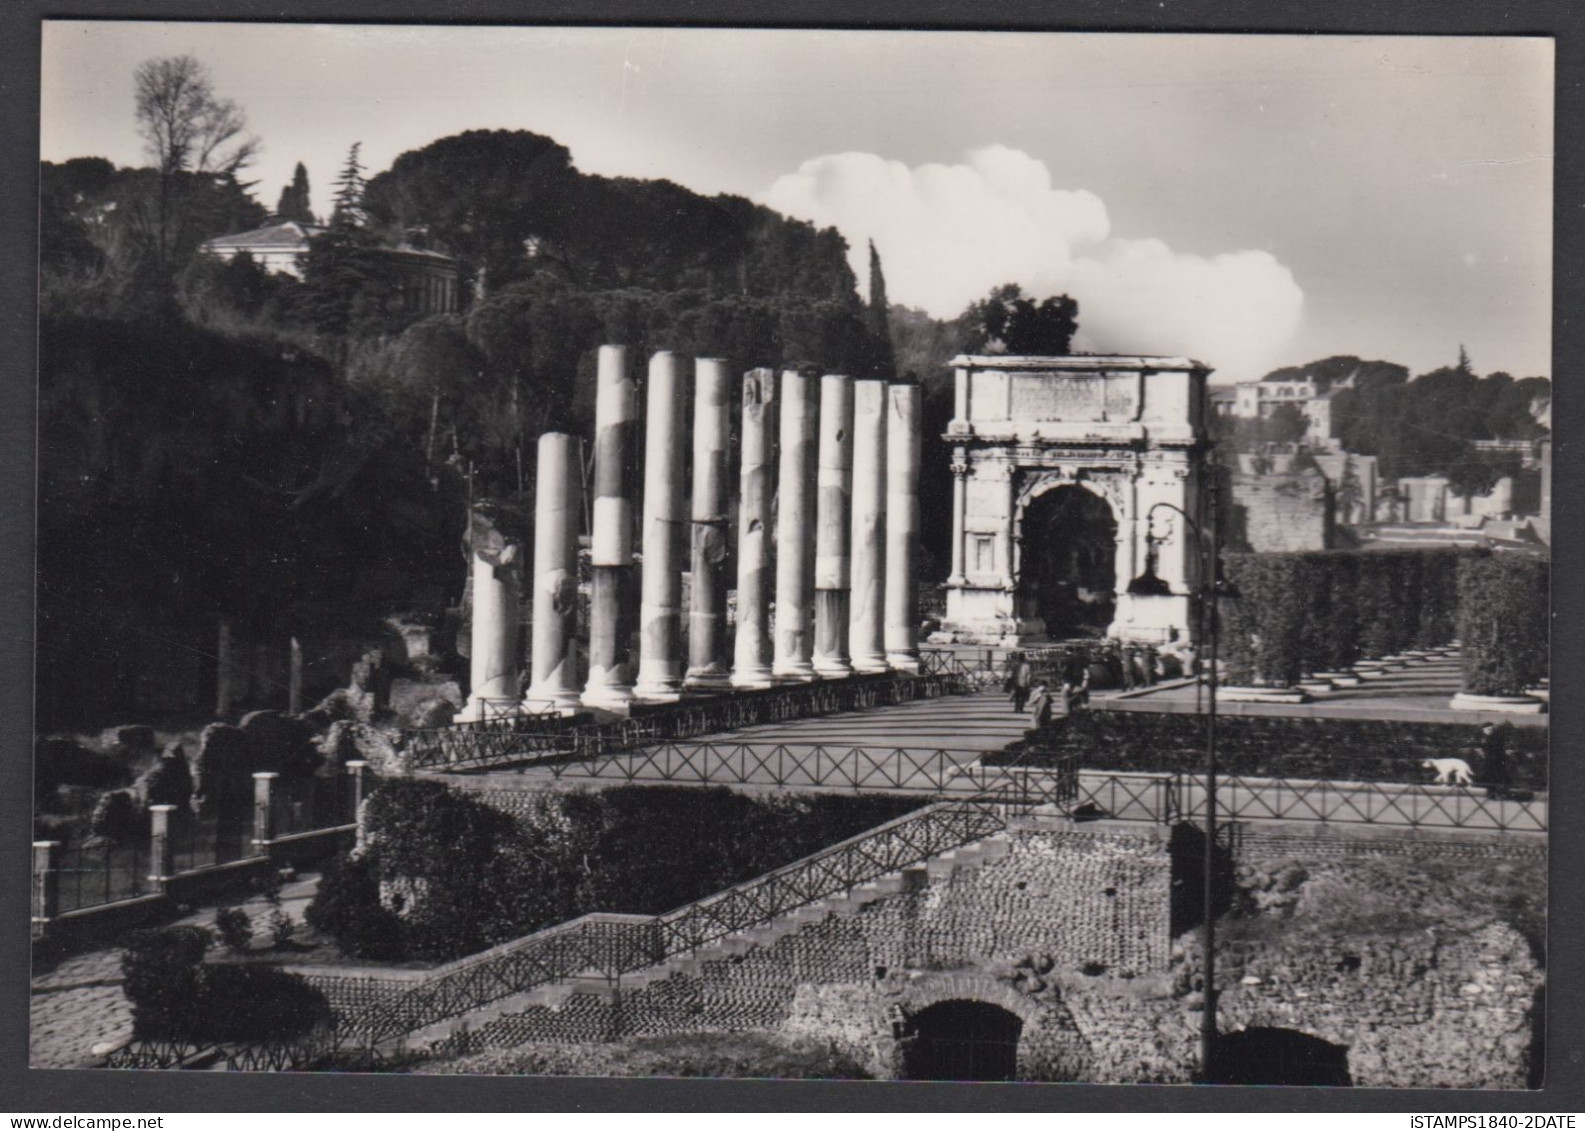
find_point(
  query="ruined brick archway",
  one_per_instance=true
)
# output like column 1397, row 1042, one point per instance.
column 1129, row 429
column 961, row 1039
column 1045, row 1046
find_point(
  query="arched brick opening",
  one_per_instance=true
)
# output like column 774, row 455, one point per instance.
column 1067, row 552
column 1280, row 1056
column 961, row 1039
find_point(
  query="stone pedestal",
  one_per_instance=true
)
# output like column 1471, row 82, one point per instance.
column 751, row 666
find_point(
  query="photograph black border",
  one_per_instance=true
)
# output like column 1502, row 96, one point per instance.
column 66, row 1091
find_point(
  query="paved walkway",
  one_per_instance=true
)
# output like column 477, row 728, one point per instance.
column 1417, row 693
column 79, row 1004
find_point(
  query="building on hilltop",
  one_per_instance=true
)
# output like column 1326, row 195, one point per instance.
column 425, row 279
column 1257, row 400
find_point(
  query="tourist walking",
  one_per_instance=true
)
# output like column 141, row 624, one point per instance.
column 1494, row 761
column 1020, row 676
column 1040, row 705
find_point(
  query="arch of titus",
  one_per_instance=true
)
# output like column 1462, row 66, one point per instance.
column 1129, row 430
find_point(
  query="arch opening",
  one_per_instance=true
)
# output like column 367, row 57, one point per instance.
column 1280, row 1056
column 1068, row 560
column 961, row 1040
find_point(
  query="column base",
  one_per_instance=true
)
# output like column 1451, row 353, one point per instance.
column 482, row 708
column 656, row 693
column 604, row 690
column 543, row 701
column 871, row 663
column 712, row 678
column 832, row 668
column 801, row 671
column 905, row 662
column 753, row 679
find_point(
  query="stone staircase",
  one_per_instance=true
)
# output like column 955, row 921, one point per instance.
column 845, row 904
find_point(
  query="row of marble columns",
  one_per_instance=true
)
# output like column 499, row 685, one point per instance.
column 833, row 462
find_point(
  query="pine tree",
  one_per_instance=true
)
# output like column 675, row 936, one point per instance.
column 349, row 192
column 341, row 266
column 294, row 202
column 877, row 320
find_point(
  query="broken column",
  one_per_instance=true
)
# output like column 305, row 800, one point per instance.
column 611, row 541
column 795, row 546
column 712, row 427
column 665, row 513
column 867, row 583
column 558, row 508
column 492, row 641
column 902, row 527
column 832, row 564
column 752, row 648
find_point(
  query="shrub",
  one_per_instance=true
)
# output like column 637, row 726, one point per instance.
column 235, row 929
column 169, row 781
column 347, row 908
column 162, row 978
column 1263, row 627
column 1503, row 622
column 118, row 818
column 60, row 761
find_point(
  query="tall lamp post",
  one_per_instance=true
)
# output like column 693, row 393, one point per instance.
column 1149, row 585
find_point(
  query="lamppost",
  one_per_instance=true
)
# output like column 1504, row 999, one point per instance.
column 1150, row 585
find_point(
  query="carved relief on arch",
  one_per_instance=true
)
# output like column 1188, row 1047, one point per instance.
column 1033, row 483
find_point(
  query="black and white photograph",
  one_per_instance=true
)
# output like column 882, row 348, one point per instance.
column 793, row 554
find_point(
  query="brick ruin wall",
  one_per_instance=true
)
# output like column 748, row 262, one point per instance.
column 1286, row 512
column 1069, row 932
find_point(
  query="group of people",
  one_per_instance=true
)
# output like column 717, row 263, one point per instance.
column 1025, row 688
column 1076, row 667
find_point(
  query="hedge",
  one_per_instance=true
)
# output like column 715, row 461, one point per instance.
column 1295, row 614
column 1275, row 746
column 1503, row 623
column 444, row 875
column 176, row 995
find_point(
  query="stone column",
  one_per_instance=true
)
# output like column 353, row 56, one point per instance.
column 294, row 679
column 866, row 636
column 833, row 565
column 46, row 880
column 611, row 544
column 712, row 430
column 960, row 474
column 263, row 812
column 665, row 515
column 357, row 770
column 558, row 513
column 161, row 862
column 902, row 528
column 752, row 649
column 493, row 641
column 795, row 543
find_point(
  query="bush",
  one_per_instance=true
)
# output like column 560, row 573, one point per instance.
column 1273, row 746
column 162, row 978
column 118, row 818
column 60, row 761
column 1503, row 622
column 635, row 850
column 176, row 996
column 235, row 929
column 1262, row 629
column 169, row 781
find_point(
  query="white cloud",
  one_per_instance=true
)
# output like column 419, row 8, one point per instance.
column 949, row 233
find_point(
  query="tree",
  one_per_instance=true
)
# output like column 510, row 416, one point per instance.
column 1005, row 321
column 294, row 202
column 344, row 277
column 1287, row 424
column 877, row 317
column 190, row 134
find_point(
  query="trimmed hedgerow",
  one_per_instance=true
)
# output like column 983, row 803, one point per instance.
column 639, row 850
column 1275, row 746
column 1503, row 623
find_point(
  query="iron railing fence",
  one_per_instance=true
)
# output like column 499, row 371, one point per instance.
column 94, row 874
column 156, row 1053
column 209, row 841
column 305, row 804
column 1404, row 805
column 506, row 742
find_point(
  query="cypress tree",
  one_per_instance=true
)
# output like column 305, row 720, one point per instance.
column 294, row 202
column 884, row 363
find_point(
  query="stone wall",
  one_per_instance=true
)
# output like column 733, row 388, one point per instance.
column 1398, row 948
column 1285, row 512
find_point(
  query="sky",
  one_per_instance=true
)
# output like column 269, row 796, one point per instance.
column 1250, row 201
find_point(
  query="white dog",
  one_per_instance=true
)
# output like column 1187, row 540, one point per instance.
column 1449, row 771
